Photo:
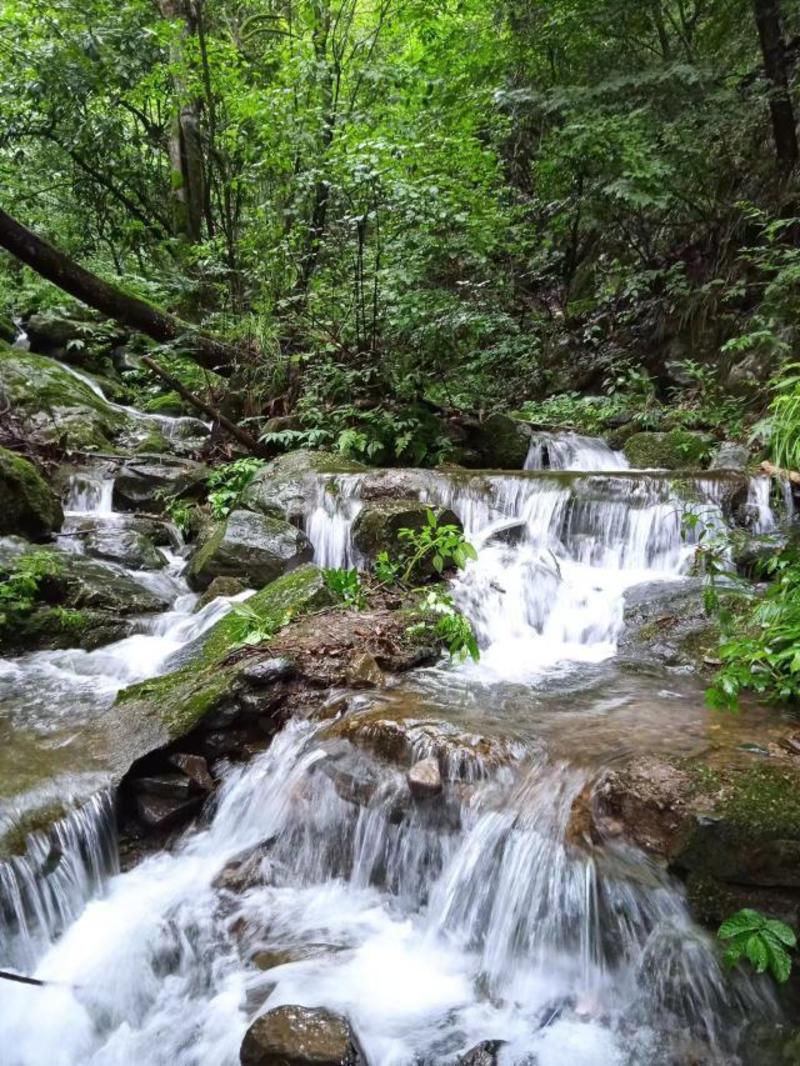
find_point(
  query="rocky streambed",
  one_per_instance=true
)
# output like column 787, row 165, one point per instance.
column 337, row 844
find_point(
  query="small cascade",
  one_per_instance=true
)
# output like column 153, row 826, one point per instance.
column 330, row 520
column 572, row 451
column 90, row 492
column 45, row 889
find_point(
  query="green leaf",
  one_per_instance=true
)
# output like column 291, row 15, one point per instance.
column 744, row 921
column 757, row 952
column 783, row 932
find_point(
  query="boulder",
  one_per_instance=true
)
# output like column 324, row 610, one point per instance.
column 28, row 506
column 730, row 456
column 502, row 442
column 364, row 672
column 677, row 449
column 425, row 779
column 161, row 812
column 70, row 338
column 130, row 549
column 284, row 487
column 196, row 769
column 56, row 406
column 254, row 548
column 301, row 1036
column 378, row 525
column 143, row 483
column 220, row 586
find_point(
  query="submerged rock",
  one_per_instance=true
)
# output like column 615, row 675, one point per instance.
column 144, row 483
column 284, row 487
column 255, row 548
column 679, row 448
column 301, row 1036
column 28, row 506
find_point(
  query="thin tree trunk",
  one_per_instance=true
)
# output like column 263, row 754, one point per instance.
column 128, row 310
column 770, row 33
column 245, row 438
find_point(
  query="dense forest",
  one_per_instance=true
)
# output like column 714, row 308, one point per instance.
column 399, row 509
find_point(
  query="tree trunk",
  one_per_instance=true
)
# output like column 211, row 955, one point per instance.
column 185, row 147
column 770, row 33
column 128, row 310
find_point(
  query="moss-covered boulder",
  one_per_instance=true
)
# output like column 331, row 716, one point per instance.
column 378, row 524
column 287, row 485
column 502, row 442
column 154, row 713
column 253, row 547
column 55, row 405
column 27, row 504
column 145, row 483
column 76, row 337
column 677, row 449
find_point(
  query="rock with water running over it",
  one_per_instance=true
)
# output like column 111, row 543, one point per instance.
column 487, row 1053
column 425, row 779
column 378, row 524
column 253, row 547
column 301, row 1036
column 130, row 549
column 286, row 486
column 145, row 483
column 675, row 450
column 55, row 406
column 27, row 504
column 220, row 586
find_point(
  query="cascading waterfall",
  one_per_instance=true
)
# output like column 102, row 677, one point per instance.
column 433, row 926
column 571, row 451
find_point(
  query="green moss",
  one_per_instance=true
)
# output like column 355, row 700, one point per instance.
column 292, row 595
column 765, row 801
column 670, row 451
column 177, row 702
column 14, row 839
column 27, row 503
column 710, row 900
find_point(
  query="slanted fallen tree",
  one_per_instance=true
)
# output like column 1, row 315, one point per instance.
column 109, row 300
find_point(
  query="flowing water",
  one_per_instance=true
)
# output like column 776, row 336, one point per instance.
column 433, row 926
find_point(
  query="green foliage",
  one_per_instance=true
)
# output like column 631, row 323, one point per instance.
column 784, row 419
column 347, row 587
column 440, row 544
column 439, row 618
column 765, row 943
column 386, row 569
column 181, row 512
column 248, row 627
column 228, row 482
column 20, row 583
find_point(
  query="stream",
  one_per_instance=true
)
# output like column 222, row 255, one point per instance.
column 433, row 927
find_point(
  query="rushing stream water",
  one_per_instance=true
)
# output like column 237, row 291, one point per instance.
column 432, row 927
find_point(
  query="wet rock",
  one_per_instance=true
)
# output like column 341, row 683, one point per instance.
column 355, row 779
column 285, row 485
column 220, row 586
column 196, row 769
column 364, row 672
column 666, row 623
column 88, row 583
column 255, row 548
column 142, row 484
column 679, row 448
column 28, row 506
column 378, row 524
column 130, row 549
column 267, row 672
column 487, row 1053
column 502, row 442
column 730, row 456
column 245, row 871
column 770, row 1044
column 424, row 779
column 169, row 786
column 751, row 556
column 71, row 338
column 390, row 484
column 56, row 407
column 301, row 1036
column 163, row 812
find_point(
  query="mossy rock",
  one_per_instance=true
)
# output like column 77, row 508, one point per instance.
column 502, row 442
column 255, row 548
column 378, row 524
column 675, row 450
column 167, row 403
column 154, row 713
column 28, row 506
column 8, row 331
column 145, row 483
column 284, row 487
column 55, row 405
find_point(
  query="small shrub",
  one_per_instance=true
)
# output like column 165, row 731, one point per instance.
column 228, row 482
column 20, row 583
column 441, row 545
column 248, row 627
column 347, row 587
column 763, row 942
column 440, row 618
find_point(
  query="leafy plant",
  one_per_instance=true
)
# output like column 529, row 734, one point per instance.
column 441, row 544
column 347, row 587
column 20, row 584
column 441, row 619
column 180, row 511
column 386, row 570
column 228, row 482
column 249, row 627
column 764, row 942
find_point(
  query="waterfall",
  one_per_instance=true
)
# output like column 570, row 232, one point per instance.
column 571, row 451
